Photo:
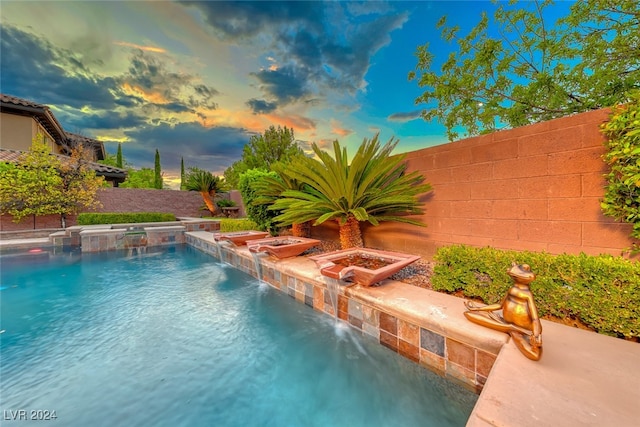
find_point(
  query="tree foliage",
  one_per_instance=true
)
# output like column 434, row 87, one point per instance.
column 141, row 178
column 622, row 194
column 182, row 174
column 257, row 207
column 41, row 184
column 270, row 188
column 119, row 162
column 374, row 187
column 157, row 172
column 520, row 68
column 262, row 151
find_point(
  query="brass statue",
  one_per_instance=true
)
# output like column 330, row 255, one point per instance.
column 519, row 314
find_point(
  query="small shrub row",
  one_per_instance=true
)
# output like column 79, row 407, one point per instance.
column 236, row 224
column 601, row 291
column 123, row 217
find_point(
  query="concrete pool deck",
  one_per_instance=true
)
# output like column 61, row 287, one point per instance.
column 583, row 378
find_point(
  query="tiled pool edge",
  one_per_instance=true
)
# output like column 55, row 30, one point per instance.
column 424, row 326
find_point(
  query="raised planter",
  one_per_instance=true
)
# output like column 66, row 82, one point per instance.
column 283, row 246
column 239, row 238
column 362, row 266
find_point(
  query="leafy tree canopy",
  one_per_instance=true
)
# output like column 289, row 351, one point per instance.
column 520, row 68
column 40, row 184
column 141, row 178
column 262, row 151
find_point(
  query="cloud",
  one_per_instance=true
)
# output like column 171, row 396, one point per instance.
column 234, row 20
column 103, row 120
column 261, row 106
column 405, row 117
column 338, row 129
column 140, row 47
column 309, row 56
column 28, row 61
column 285, row 84
column 213, row 149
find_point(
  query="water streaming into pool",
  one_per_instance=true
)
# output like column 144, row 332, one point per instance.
column 175, row 338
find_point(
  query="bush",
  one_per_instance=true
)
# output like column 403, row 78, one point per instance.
column 230, row 224
column 259, row 213
column 225, row 203
column 601, row 291
column 123, row 217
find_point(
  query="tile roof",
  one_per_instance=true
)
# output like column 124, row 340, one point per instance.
column 19, row 101
column 7, row 155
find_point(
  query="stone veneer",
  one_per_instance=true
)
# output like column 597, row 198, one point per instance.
column 424, row 326
column 98, row 238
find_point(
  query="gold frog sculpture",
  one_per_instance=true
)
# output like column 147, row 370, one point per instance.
column 519, row 314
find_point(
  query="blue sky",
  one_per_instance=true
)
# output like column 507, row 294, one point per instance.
column 197, row 79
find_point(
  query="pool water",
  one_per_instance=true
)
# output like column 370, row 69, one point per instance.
column 175, row 338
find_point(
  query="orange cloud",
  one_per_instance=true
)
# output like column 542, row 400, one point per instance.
column 337, row 129
column 295, row 122
column 145, row 48
column 154, row 97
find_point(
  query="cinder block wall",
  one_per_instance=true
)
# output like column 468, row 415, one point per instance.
column 180, row 203
column 536, row 188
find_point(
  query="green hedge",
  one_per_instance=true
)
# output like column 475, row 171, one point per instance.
column 601, row 291
column 123, row 217
column 241, row 224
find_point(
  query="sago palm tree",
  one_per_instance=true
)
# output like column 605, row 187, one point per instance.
column 206, row 183
column 373, row 187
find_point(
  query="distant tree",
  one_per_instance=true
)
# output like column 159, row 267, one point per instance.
column 276, row 144
column 40, row 184
column 374, row 187
column 119, row 162
column 182, row 186
column 157, row 174
column 207, row 184
column 113, row 160
column 141, row 178
column 520, row 68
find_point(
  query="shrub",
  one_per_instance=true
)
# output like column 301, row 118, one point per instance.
column 123, row 217
column 225, row 203
column 257, row 212
column 601, row 291
column 242, row 224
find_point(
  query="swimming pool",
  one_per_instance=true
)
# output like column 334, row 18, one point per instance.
column 175, row 338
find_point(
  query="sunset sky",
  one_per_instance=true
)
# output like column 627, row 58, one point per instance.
column 197, row 79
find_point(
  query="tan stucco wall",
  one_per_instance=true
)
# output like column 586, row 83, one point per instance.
column 18, row 132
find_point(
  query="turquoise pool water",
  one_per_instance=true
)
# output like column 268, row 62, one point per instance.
column 174, row 338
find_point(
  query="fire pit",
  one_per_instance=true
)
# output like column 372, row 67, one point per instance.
column 239, row 238
column 362, row 266
column 283, row 246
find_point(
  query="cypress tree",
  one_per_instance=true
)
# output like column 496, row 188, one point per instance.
column 182, row 173
column 157, row 181
column 119, row 156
